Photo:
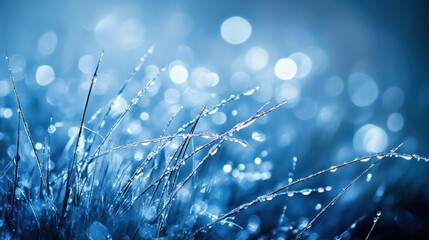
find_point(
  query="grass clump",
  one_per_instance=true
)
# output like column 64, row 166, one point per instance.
column 98, row 194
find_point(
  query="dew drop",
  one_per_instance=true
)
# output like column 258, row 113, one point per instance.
column 406, row 157
column 318, row 207
column 249, row 92
column 368, row 177
column 305, row 192
column 206, row 136
column 213, row 111
column 245, row 125
column 213, row 151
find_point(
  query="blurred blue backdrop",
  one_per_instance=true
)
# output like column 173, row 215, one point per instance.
column 356, row 74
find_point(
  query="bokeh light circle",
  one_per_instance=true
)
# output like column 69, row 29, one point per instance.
column 257, row 58
column 236, row 30
column 179, row 74
column 370, row 138
column 45, row 75
column 304, row 64
column 285, row 69
column 362, row 89
column 395, row 122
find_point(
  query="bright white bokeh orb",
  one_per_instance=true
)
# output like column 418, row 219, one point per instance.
column 179, row 74
column 285, row 69
column 45, row 75
column 235, row 30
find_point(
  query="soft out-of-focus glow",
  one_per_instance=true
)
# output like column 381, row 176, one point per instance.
column 118, row 106
column 285, row 69
column 227, row 168
column 319, row 59
column 144, row 116
column 106, row 30
column 219, row 118
column 4, row 88
column 18, row 65
column 134, row 128
column 212, row 79
column 179, row 74
column 73, row 132
column 334, row 86
column 329, row 118
column 138, row 155
column 393, row 98
column 253, row 224
column 47, row 43
column 264, row 94
column 306, row 109
column 362, row 89
column 240, row 81
column 131, row 34
column 288, row 91
column 304, row 64
column 235, row 30
column 151, row 71
column 6, row 112
column 185, row 53
column 370, row 138
column 56, row 93
column 257, row 58
column 38, row 146
column 203, row 78
column 45, row 75
column 110, row 31
column 171, row 96
column 52, row 129
column 86, row 64
column 395, row 122
column 258, row 136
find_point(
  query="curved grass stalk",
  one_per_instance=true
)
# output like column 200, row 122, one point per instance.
column 134, row 101
column 25, row 123
column 334, row 200
column 374, row 222
column 275, row 193
column 119, row 93
column 236, row 128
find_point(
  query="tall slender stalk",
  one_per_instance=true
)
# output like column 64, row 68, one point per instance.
column 73, row 163
column 15, row 180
